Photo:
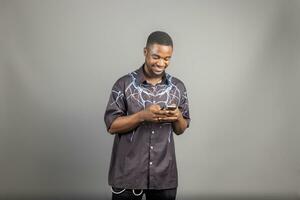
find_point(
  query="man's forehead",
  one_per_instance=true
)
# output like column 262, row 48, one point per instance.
column 160, row 49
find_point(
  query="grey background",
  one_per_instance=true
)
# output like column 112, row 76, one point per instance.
column 238, row 59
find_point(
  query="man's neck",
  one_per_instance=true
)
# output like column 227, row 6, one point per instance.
column 150, row 79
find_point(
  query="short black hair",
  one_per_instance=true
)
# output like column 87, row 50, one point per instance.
column 159, row 37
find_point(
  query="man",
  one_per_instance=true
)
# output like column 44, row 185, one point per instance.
column 144, row 109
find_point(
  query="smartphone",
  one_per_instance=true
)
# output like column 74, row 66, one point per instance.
column 171, row 107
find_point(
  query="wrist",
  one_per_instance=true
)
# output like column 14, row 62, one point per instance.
column 140, row 116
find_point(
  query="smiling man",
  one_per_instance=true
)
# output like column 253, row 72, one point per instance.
column 145, row 108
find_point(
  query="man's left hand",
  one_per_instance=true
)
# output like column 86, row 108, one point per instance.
column 169, row 115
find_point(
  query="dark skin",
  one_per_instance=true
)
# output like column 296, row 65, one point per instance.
column 157, row 59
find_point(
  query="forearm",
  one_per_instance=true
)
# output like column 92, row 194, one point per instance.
column 179, row 125
column 125, row 123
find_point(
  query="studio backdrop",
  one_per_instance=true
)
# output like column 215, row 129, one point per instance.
column 239, row 61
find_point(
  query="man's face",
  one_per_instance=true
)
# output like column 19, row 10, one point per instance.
column 157, row 59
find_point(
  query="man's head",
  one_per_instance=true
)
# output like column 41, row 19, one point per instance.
column 158, row 52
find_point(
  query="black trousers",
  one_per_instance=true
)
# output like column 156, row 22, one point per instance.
column 129, row 194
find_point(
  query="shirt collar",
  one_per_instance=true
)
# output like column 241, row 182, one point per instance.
column 141, row 76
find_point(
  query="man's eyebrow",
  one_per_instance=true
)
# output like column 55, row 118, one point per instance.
column 155, row 55
column 160, row 56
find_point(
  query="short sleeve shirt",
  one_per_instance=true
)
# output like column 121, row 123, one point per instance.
column 144, row 158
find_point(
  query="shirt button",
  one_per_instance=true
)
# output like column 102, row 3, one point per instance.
column 152, row 132
column 150, row 163
column 151, row 147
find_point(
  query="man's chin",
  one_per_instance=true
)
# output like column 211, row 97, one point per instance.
column 158, row 72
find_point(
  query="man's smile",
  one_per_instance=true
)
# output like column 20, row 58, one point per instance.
column 158, row 69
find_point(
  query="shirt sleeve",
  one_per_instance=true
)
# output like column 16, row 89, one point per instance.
column 116, row 105
column 184, row 103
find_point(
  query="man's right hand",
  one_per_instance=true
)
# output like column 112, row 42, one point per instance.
column 152, row 113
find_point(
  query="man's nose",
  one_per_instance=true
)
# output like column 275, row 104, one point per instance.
column 161, row 63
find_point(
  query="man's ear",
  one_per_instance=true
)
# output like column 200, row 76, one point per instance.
column 145, row 51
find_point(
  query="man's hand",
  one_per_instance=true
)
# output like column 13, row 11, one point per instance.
column 169, row 115
column 179, row 124
column 152, row 113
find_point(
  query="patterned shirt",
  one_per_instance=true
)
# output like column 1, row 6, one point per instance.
column 144, row 158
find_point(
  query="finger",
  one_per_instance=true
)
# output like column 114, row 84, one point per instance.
column 159, row 115
column 161, row 112
column 172, row 115
column 160, row 119
column 156, row 106
column 172, row 112
column 156, row 119
column 168, row 119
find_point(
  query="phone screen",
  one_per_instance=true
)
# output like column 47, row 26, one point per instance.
column 171, row 107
